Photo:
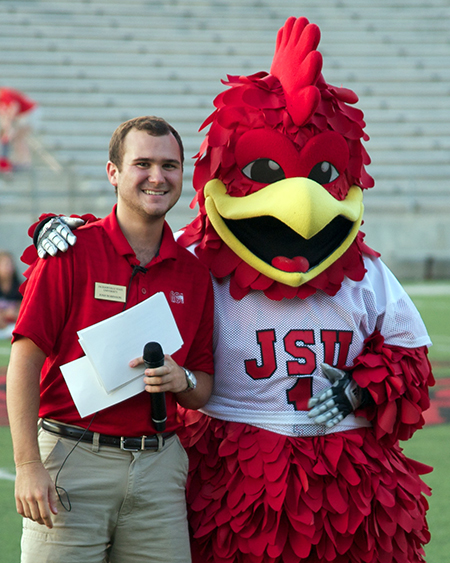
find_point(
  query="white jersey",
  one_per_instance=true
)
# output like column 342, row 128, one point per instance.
column 268, row 353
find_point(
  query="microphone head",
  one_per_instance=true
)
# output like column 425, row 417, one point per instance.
column 153, row 354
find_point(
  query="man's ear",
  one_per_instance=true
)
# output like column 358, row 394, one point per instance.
column 112, row 172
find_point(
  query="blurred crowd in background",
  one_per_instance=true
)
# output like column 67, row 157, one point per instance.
column 17, row 114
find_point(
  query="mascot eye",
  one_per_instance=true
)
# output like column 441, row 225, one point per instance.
column 264, row 170
column 323, row 173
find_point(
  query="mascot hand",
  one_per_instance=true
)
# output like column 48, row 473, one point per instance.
column 344, row 396
column 55, row 234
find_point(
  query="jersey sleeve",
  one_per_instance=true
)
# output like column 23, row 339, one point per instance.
column 395, row 315
column 393, row 364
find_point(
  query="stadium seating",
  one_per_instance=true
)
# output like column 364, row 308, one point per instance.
column 92, row 64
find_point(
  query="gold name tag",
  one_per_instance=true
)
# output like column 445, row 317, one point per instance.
column 110, row 292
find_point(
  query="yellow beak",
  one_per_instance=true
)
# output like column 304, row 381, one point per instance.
column 301, row 205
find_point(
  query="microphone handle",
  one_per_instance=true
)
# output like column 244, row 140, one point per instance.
column 158, row 405
column 159, row 416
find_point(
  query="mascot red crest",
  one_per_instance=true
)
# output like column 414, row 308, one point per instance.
column 280, row 177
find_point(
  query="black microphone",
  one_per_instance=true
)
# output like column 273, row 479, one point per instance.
column 154, row 358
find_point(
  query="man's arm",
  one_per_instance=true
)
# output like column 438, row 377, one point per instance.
column 35, row 490
column 198, row 397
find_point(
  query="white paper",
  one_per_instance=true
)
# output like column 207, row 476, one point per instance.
column 108, row 342
column 88, row 393
column 112, row 343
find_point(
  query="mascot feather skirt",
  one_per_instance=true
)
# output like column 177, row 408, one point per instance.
column 279, row 183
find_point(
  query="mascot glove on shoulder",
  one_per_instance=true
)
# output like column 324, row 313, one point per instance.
column 54, row 233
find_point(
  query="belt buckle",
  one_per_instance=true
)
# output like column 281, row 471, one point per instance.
column 124, row 447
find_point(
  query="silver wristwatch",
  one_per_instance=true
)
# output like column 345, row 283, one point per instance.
column 191, row 380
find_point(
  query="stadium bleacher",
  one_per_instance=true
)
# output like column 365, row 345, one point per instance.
column 92, row 64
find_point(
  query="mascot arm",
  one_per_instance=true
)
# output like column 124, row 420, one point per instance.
column 52, row 233
column 55, row 233
column 397, row 379
column 31, row 255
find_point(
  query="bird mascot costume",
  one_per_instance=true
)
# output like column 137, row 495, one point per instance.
column 320, row 356
column 307, row 316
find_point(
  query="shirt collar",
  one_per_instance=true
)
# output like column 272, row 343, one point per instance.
column 167, row 250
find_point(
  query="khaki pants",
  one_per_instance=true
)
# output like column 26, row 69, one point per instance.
column 126, row 507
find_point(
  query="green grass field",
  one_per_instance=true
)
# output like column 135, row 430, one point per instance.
column 429, row 446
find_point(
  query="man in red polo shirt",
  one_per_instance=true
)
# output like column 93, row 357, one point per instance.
column 123, row 503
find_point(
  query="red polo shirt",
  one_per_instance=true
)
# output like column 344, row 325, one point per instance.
column 59, row 301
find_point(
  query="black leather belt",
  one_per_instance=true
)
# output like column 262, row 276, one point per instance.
column 133, row 444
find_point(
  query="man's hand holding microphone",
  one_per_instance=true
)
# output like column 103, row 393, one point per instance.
column 164, row 375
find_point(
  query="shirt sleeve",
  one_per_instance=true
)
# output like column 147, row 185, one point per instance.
column 200, row 356
column 46, row 302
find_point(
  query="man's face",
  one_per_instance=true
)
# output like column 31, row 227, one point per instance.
column 151, row 176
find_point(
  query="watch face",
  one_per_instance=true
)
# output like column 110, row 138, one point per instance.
column 191, row 379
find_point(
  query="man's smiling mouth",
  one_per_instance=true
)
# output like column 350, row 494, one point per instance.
column 151, row 192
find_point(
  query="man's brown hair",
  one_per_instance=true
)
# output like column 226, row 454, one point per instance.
column 156, row 126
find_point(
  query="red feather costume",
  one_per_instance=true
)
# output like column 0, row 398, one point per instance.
column 255, row 495
column 279, row 181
